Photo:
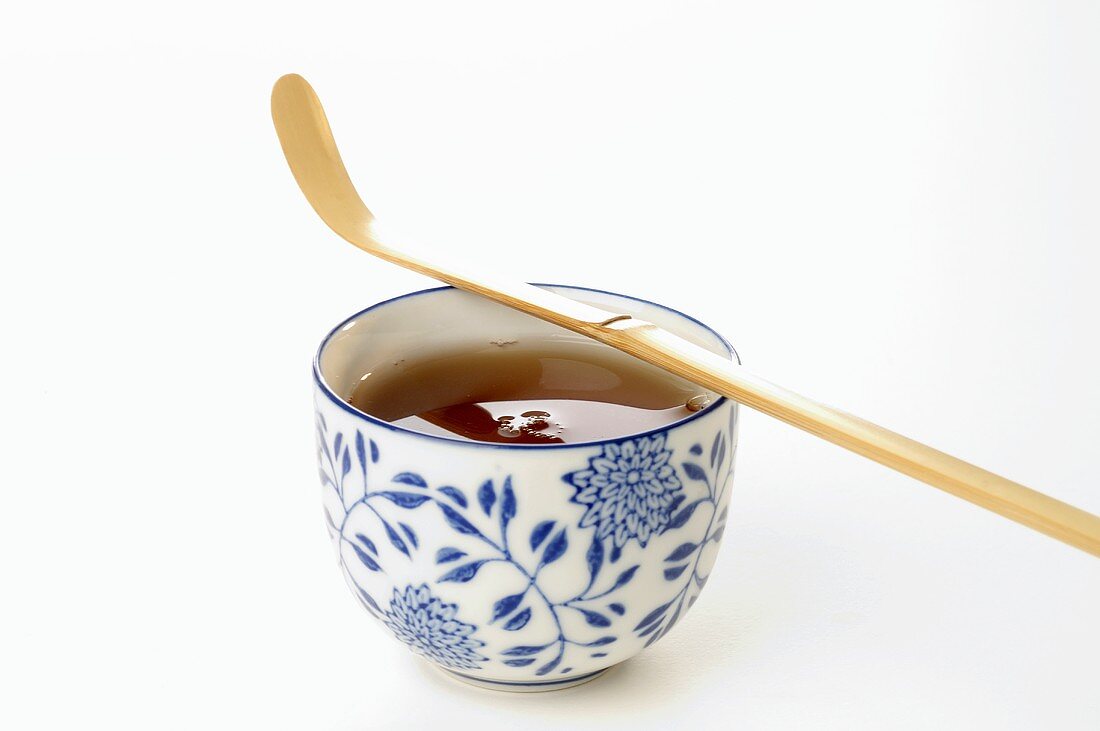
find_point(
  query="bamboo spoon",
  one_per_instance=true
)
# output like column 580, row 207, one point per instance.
column 311, row 151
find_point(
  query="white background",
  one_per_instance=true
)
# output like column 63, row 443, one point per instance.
column 889, row 206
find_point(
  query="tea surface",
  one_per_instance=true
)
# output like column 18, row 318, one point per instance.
column 549, row 392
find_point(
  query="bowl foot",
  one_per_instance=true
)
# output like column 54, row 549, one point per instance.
column 531, row 686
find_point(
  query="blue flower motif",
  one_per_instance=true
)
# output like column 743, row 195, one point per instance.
column 630, row 489
column 429, row 628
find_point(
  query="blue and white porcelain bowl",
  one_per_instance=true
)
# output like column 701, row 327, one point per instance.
column 516, row 567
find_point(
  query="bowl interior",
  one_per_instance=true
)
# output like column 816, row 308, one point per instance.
column 422, row 323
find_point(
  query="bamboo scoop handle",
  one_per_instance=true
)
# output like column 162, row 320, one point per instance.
column 962, row 479
column 310, row 149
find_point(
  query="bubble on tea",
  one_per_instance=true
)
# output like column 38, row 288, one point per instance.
column 698, row 402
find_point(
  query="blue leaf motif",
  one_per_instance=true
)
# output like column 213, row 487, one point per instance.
column 410, row 534
column 396, row 539
column 368, row 543
column 675, row 617
column 486, row 495
column 714, row 448
column 694, row 471
column 674, row 573
column 454, row 494
column 507, row 503
column 682, row 551
column 595, row 618
column 519, row 621
column 617, row 608
column 410, row 478
column 457, row 522
column 649, row 630
column 725, row 512
column 653, row 616
column 346, row 464
column 525, row 650
column 594, row 558
column 361, row 451
column 448, row 554
column 682, row 517
column 696, row 449
column 404, row 499
column 463, row 573
column 520, row 662
column 321, row 418
column 507, row 605
column 548, row 666
column 598, row 654
column 538, row 535
column 369, row 600
column 373, row 452
column 722, row 451
column 625, row 577
column 338, row 443
column 369, row 562
column 556, row 548
column 600, row 642
column 717, row 535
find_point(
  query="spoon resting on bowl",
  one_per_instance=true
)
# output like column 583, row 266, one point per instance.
column 310, row 149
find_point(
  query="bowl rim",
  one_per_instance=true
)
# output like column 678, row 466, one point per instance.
column 332, row 396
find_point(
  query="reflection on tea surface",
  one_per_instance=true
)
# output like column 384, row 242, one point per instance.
column 546, row 392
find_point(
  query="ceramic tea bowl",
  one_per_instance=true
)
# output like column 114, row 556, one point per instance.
column 516, row 567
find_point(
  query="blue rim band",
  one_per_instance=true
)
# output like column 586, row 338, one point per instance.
column 527, row 683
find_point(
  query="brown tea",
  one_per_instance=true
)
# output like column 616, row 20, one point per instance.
column 549, row 392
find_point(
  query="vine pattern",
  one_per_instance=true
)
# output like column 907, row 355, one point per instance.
column 685, row 558
column 434, row 628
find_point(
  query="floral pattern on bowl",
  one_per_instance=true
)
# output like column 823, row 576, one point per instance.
column 530, row 568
